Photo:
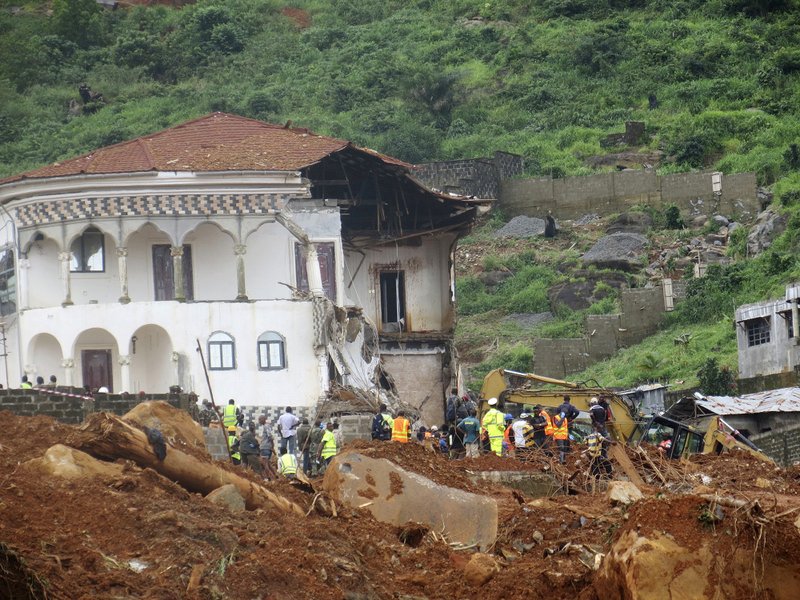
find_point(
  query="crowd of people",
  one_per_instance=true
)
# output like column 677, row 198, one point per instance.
column 294, row 444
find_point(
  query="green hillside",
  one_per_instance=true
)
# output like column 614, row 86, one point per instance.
column 716, row 82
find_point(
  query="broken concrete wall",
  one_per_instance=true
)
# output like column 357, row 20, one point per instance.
column 479, row 177
column 422, row 377
column 558, row 358
column 642, row 314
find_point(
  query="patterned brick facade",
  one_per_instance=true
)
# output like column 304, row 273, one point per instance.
column 55, row 211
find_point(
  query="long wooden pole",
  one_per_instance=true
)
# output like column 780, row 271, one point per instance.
column 211, row 394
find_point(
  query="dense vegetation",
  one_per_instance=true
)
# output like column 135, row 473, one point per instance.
column 420, row 79
column 716, row 81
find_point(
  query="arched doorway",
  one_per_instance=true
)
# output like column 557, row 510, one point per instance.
column 44, row 352
column 97, row 359
column 152, row 367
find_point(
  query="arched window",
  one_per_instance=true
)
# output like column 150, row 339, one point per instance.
column 88, row 252
column 221, row 352
column 271, row 351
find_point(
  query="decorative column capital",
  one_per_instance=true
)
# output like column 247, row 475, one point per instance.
column 30, row 369
column 240, row 249
column 68, row 363
column 24, row 263
column 124, row 360
column 122, row 251
column 64, row 256
column 176, row 356
column 176, row 251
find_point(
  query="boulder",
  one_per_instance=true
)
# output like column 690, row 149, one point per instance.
column 623, row 492
column 522, row 227
column 494, row 278
column 768, row 226
column 720, row 221
column 174, row 424
column 699, row 221
column 69, row 463
column 227, row 496
column 630, row 222
column 396, row 496
column 579, row 293
column 620, row 251
column 480, row 569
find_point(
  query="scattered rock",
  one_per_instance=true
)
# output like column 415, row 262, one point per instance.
column 623, row 492
column 227, row 496
column 769, row 225
column 699, row 221
column 537, row 537
column 630, row 222
column 522, row 227
column 763, row 483
column 480, row 569
column 620, row 251
column 494, row 278
column 720, row 221
column 69, row 463
column 733, row 226
column 579, row 293
column 587, row 219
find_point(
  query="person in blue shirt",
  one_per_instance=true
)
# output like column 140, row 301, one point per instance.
column 471, row 428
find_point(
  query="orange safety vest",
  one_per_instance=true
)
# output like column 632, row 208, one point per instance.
column 561, row 432
column 400, row 429
column 548, row 423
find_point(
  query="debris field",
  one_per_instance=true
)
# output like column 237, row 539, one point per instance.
column 73, row 527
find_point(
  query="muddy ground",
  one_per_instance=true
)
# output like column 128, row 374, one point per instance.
column 135, row 534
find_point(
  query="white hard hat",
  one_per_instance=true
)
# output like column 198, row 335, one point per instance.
column 524, row 416
column 434, row 428
column 593, row 401
column 492, row 401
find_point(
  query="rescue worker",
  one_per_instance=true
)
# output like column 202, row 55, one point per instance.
column 548, row 431
column 570, row 412
column 598, row 415
column 508, row 432
column 207, row 414
column 382, row 424
column 287, row 464
column 315, row 439
column 561, row 436
column 599, row 465
column 230, row 414
column 233, row 445
column 493, row 423
column 471, row 428
column 327, row 446
column 25, row 385
column 401, row 428
column 249, row 448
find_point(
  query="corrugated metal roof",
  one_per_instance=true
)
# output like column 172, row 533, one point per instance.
column 644, row 388
column 781, row 400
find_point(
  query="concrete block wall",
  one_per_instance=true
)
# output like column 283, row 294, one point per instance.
column 781, row 445
column 557, row 358
column 603, row 336
column 478, row 177
column 60, row 405
column 609, row 193
column 642, row 314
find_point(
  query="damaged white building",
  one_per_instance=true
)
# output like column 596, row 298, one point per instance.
column 294, row 261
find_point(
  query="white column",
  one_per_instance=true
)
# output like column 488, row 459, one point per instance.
column 24, row 265
column 314, row 275
column 177, row 272
column 795, row 320
column 65, row 258
column 239, row 251
column 122, row 258
column 68, row 365
column 176, row 357
column 124, row 361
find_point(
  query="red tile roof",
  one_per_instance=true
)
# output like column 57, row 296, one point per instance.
column 215, row 142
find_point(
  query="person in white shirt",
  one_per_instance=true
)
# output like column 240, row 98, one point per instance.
column 287, row 425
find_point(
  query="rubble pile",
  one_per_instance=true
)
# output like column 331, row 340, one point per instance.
column 77, row 525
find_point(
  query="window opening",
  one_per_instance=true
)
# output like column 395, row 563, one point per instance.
column 163, row 275
column 758, row 331
column 271, row 351
column 88, row 252
column 8, row 283
column 393, row 300
column 221, row 352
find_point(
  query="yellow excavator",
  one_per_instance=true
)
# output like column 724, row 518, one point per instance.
column 627, row 424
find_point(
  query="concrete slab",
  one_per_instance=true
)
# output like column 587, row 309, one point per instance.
column 394, row 495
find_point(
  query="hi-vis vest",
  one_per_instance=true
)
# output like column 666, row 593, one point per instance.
column 548, row 423
column 232, row 439
column 595, row 445
column 560, row 432
column 328, row 444
column 287, row 464
column 494, row 422
column 400, row 429
column 229, row 415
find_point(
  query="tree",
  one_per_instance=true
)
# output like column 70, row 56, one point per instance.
column 716, row 380
column 79, row 21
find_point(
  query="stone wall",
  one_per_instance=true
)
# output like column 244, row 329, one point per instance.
column 616, row 192
column 774, row 381
column 642, row 314
column 68, row 409
column 479, row 177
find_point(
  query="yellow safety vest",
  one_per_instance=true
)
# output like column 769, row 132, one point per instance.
column 595, row 441
column 494, row 422
column 229, row 415
column 400, row 429
column 560, row 432
column 231, row 441
column 287, row 464
column 548, row 423
column 328, row 444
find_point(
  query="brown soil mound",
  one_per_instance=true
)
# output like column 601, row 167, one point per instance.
column 136, row 534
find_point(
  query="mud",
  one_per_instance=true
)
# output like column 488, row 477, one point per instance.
column 131, row 533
